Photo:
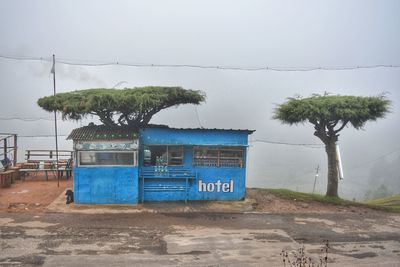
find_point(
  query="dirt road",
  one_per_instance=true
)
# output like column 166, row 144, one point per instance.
column 196, row 239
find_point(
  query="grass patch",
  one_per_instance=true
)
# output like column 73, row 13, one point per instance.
column 306, row 197
column 391, row 204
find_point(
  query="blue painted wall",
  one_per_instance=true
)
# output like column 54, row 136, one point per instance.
column 207, row 175
column 122, row 184
column 106, row 185
column 165, row 136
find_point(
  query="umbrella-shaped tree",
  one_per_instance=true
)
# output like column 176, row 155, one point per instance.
column 131, row 108
column 329, row 115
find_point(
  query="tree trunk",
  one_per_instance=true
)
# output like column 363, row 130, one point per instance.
column 332, row 189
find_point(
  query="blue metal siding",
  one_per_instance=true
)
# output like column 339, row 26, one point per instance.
column 160, row 136
column 122, row 184
column 215, row 178
column 106, row 185
column 206, row 175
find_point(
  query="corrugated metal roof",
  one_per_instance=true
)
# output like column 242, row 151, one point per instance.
column 102, row 132
column 195, row 129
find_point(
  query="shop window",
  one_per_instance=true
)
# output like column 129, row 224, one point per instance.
column 218, row 157
column 205, row 157
column 231, row 158
column 175, row 155
column 163, row 155
column 93, row 158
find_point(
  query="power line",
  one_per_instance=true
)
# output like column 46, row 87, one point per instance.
column 198, row 117
column 376, row 159
column 195, row 66
column 263, row 141
column 26, row 58
column 25, row 119
column 40, row 135
column 285, row 143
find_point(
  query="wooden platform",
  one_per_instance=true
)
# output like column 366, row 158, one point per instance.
column 8, row 177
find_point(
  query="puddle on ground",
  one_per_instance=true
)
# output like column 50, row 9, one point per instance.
column 31, row 224
column 186, row 240
column 315, row 220
column 36, row 232
column 4, row 221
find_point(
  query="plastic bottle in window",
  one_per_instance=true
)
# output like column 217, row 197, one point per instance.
column 162, row 169
column 157, row 167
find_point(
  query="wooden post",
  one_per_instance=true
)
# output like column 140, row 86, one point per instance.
column 15, row 150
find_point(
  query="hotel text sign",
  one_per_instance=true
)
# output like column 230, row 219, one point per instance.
column 218, row 186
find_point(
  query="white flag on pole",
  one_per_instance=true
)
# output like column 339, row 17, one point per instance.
column 53, row 68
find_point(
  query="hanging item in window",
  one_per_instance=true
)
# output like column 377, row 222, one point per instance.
column 230, row 157
column 163, row 155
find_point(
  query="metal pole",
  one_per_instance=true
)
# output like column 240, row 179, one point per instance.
column 5, row 148
column 315, row 179
column 15, row 150
column 55, row 118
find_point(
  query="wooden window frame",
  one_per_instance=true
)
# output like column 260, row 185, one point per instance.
column 134, row 152
column 219, row 158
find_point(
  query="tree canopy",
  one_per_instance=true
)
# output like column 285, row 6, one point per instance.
column 331, row 113
column 129, row 107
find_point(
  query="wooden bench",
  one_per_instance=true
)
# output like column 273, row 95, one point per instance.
column 35, row 166
column 45, row 161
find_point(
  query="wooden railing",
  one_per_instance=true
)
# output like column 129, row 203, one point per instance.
column 8, row 143
column 47, row 155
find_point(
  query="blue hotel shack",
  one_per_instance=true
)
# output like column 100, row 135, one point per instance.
column 119, row 166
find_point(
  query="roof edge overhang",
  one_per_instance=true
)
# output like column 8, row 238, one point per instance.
column 105, row 133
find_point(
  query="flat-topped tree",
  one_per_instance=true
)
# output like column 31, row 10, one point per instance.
column 330, row 114
column 131, row 108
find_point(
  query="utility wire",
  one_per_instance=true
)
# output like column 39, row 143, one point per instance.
column 40, row 135
column 198, row 117
column 49, row 59
column 264, row 141
column 285, row 143
column 236, row 68
column 376, row 159
column 26, row 119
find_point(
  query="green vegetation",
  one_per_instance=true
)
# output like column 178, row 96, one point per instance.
column 391, row 204
column 131, row 108
column 306, row 197
column 330, row 114
column 381, row 192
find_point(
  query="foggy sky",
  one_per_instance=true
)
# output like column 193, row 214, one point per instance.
column 225, row 33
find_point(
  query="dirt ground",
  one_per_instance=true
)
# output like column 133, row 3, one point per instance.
column 33, row 194
column 268, row 202
column 196, row 234
column 196, row 239
column 37, row 194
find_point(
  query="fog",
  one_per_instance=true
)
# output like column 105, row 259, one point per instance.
column 287, row 34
